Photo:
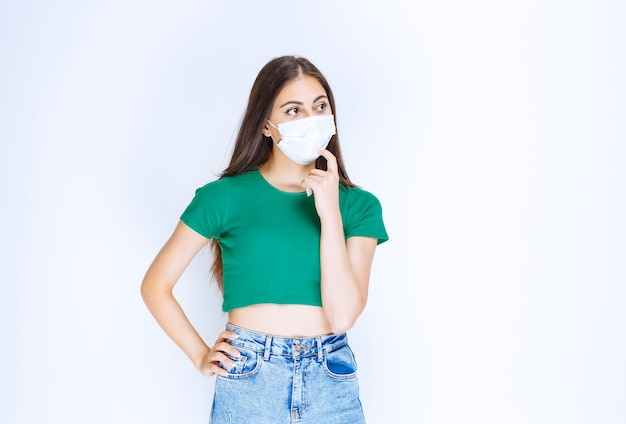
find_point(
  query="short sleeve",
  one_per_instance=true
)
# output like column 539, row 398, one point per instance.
column 206, row 212
column 363, row 216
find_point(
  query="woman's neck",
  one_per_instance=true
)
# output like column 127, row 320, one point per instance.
column 284, row 173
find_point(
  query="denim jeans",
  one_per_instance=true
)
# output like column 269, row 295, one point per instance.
column 288, row 380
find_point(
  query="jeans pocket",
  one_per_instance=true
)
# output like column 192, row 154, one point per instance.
column 246, row 365
column 340, row 364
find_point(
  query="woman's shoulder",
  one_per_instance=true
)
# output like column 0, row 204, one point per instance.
column 358, row 195
column 226, row 182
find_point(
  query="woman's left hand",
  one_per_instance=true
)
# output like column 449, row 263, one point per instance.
column 324, row 185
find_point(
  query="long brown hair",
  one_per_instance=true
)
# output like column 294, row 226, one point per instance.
column 252, row 148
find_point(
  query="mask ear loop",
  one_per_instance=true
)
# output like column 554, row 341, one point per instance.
column 270, row 122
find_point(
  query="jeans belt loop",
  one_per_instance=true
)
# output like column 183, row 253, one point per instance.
column 320, row 349
column 268, row 345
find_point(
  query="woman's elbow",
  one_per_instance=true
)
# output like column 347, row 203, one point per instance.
column 150, row 290
column 343, row 320
column 146, row 290
column 339, row 327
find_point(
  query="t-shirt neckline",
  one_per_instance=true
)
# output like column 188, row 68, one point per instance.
column 273, row 187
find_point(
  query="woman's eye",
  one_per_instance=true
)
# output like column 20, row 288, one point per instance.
column 292, row 111
column 321, row 107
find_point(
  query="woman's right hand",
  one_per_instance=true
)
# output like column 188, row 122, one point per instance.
column 216, row 360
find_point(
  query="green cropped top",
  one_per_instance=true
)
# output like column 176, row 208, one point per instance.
column 270, row 239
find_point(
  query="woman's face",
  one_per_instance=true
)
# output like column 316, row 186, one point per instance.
column 299, row 98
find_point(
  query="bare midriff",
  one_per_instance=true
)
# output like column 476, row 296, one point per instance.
column 282, row 320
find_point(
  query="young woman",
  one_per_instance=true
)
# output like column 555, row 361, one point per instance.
column 293, row 242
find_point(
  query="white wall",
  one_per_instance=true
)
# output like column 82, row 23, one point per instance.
column 493, row 133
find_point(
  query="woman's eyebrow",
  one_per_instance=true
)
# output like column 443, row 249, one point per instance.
column 321, row 96
column 295, row 102
column 291, row 102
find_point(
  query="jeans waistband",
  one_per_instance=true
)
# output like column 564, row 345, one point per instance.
column 268, row 344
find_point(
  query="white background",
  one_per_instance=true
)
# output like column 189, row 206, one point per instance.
column 493, row 133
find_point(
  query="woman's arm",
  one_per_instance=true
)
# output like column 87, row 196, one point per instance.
column 157, row 292
column 345, row 277
column 345, row 265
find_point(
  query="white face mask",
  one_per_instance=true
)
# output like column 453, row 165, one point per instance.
column 302, row 138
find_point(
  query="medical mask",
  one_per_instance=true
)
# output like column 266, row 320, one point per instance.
column 303, row 138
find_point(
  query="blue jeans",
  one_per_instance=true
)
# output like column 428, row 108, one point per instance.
column 288, row 380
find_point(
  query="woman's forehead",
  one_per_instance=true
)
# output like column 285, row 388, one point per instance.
column 301, row 89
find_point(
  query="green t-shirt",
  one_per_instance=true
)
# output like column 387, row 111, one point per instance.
column 270, row 239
